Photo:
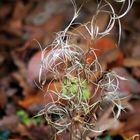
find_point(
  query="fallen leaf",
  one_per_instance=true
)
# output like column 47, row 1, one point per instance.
column 131, row 62
column 40, row 98
column 27, row 90
column 3, row 99
column 33, row 68
column 9, row 122
column 131, row 84
column 136, row 72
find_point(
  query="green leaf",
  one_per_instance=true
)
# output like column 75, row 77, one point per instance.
column 22, row 113
column 107, row 137
column 26, row 119
column 36, row 121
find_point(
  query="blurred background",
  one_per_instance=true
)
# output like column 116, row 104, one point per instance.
column 22, row 21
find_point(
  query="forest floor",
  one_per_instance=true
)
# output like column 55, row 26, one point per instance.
column 20, row 99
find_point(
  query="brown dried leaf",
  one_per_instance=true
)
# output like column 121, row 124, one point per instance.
column 4, row 41
column 131, row 85
column 3, row 99
column 5, row 9
column 136, row 72
column 40, row 99
column 33, row 68
column 9, row 122
column 27, row 90
column 105, row 123
column 131, row 62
